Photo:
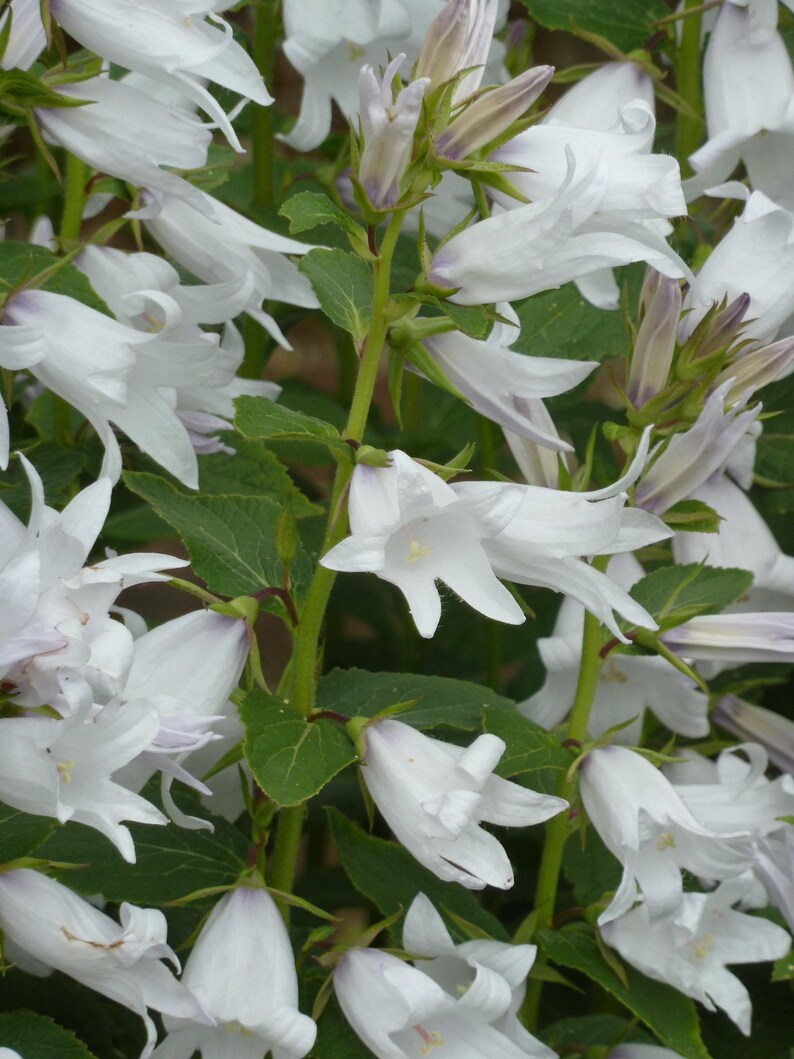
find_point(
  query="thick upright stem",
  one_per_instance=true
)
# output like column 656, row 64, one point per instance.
column 285, row 853
column 73, row 198
column 304, row 659
column 557, row 828
column 266, row 23
column 688, row 128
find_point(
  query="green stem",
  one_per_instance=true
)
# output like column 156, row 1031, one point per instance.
column 73, row 198
column 557, row 828
column 688, row 129
column 285, row 852
column 266, row 23
column 307, row 637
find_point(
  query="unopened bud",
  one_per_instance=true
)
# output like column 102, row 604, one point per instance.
column 458, row 39
column 388, row 126
column 753, row 370
column 491, row 114
column 660, row 303
column 758, row 725
column 718, row 330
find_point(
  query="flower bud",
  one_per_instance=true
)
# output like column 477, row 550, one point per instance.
column 754, row 370
column 660, row 304
column 458, row 39
column 492, row 113
column 716, row 331
column 387, row 128
column 773, row 732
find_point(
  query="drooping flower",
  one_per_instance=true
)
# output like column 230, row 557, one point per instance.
column 691, row 950
column 735, row 639
column 773, row 731
column 185, row 43
column 773, row 572
column 627, row 684
column 754, row 258
column 231, row 249
column 130, row 135
column 60, row 930
column 27, row 38
column 242, row 972
column 409, row 527
column 58, row 644
column 434, row 795
column 505, row 386
column 487, row 978
column 546, row 243
column 749, row 101
column 645, row 824
column 63, row 768
column 399, row 1012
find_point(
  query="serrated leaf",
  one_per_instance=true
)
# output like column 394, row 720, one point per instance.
column 692, row 516
column 390, row 877
column 627, row 25
column 252, row 471
column 560, row 323
column 532, row 756
column 440, row 701
column 291, row 758
column 343, row 285
column 674, row 594
column 220, row 163
column 171, row 861
column 38, row 1037
column 231, row 539
column 21, row 262
column 21, row 833
column 310, row 209
column 665, row 1011
column 260, row 418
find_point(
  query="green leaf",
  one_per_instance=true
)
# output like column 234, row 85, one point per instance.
column 310, row 209
column 20, row 263
column 665, row 1011
column 343, row 285
column 231, row 539
column 692, row 516
column 783, row 969
column 674, row 594
column 252, row 471
column 533, row 756
column 21, row 833
column 336, row 1039
column 627, row 25
column 560, row 323
column 774, row 459
column 58, row 468
column 20, row 88
column 220, row 163
column 171, row 861
column 291, row 758
column 390, row 877
column 439, row 700
column 38, row 1037
column 586, row 1031
column 592, row 870
column 261, row 418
